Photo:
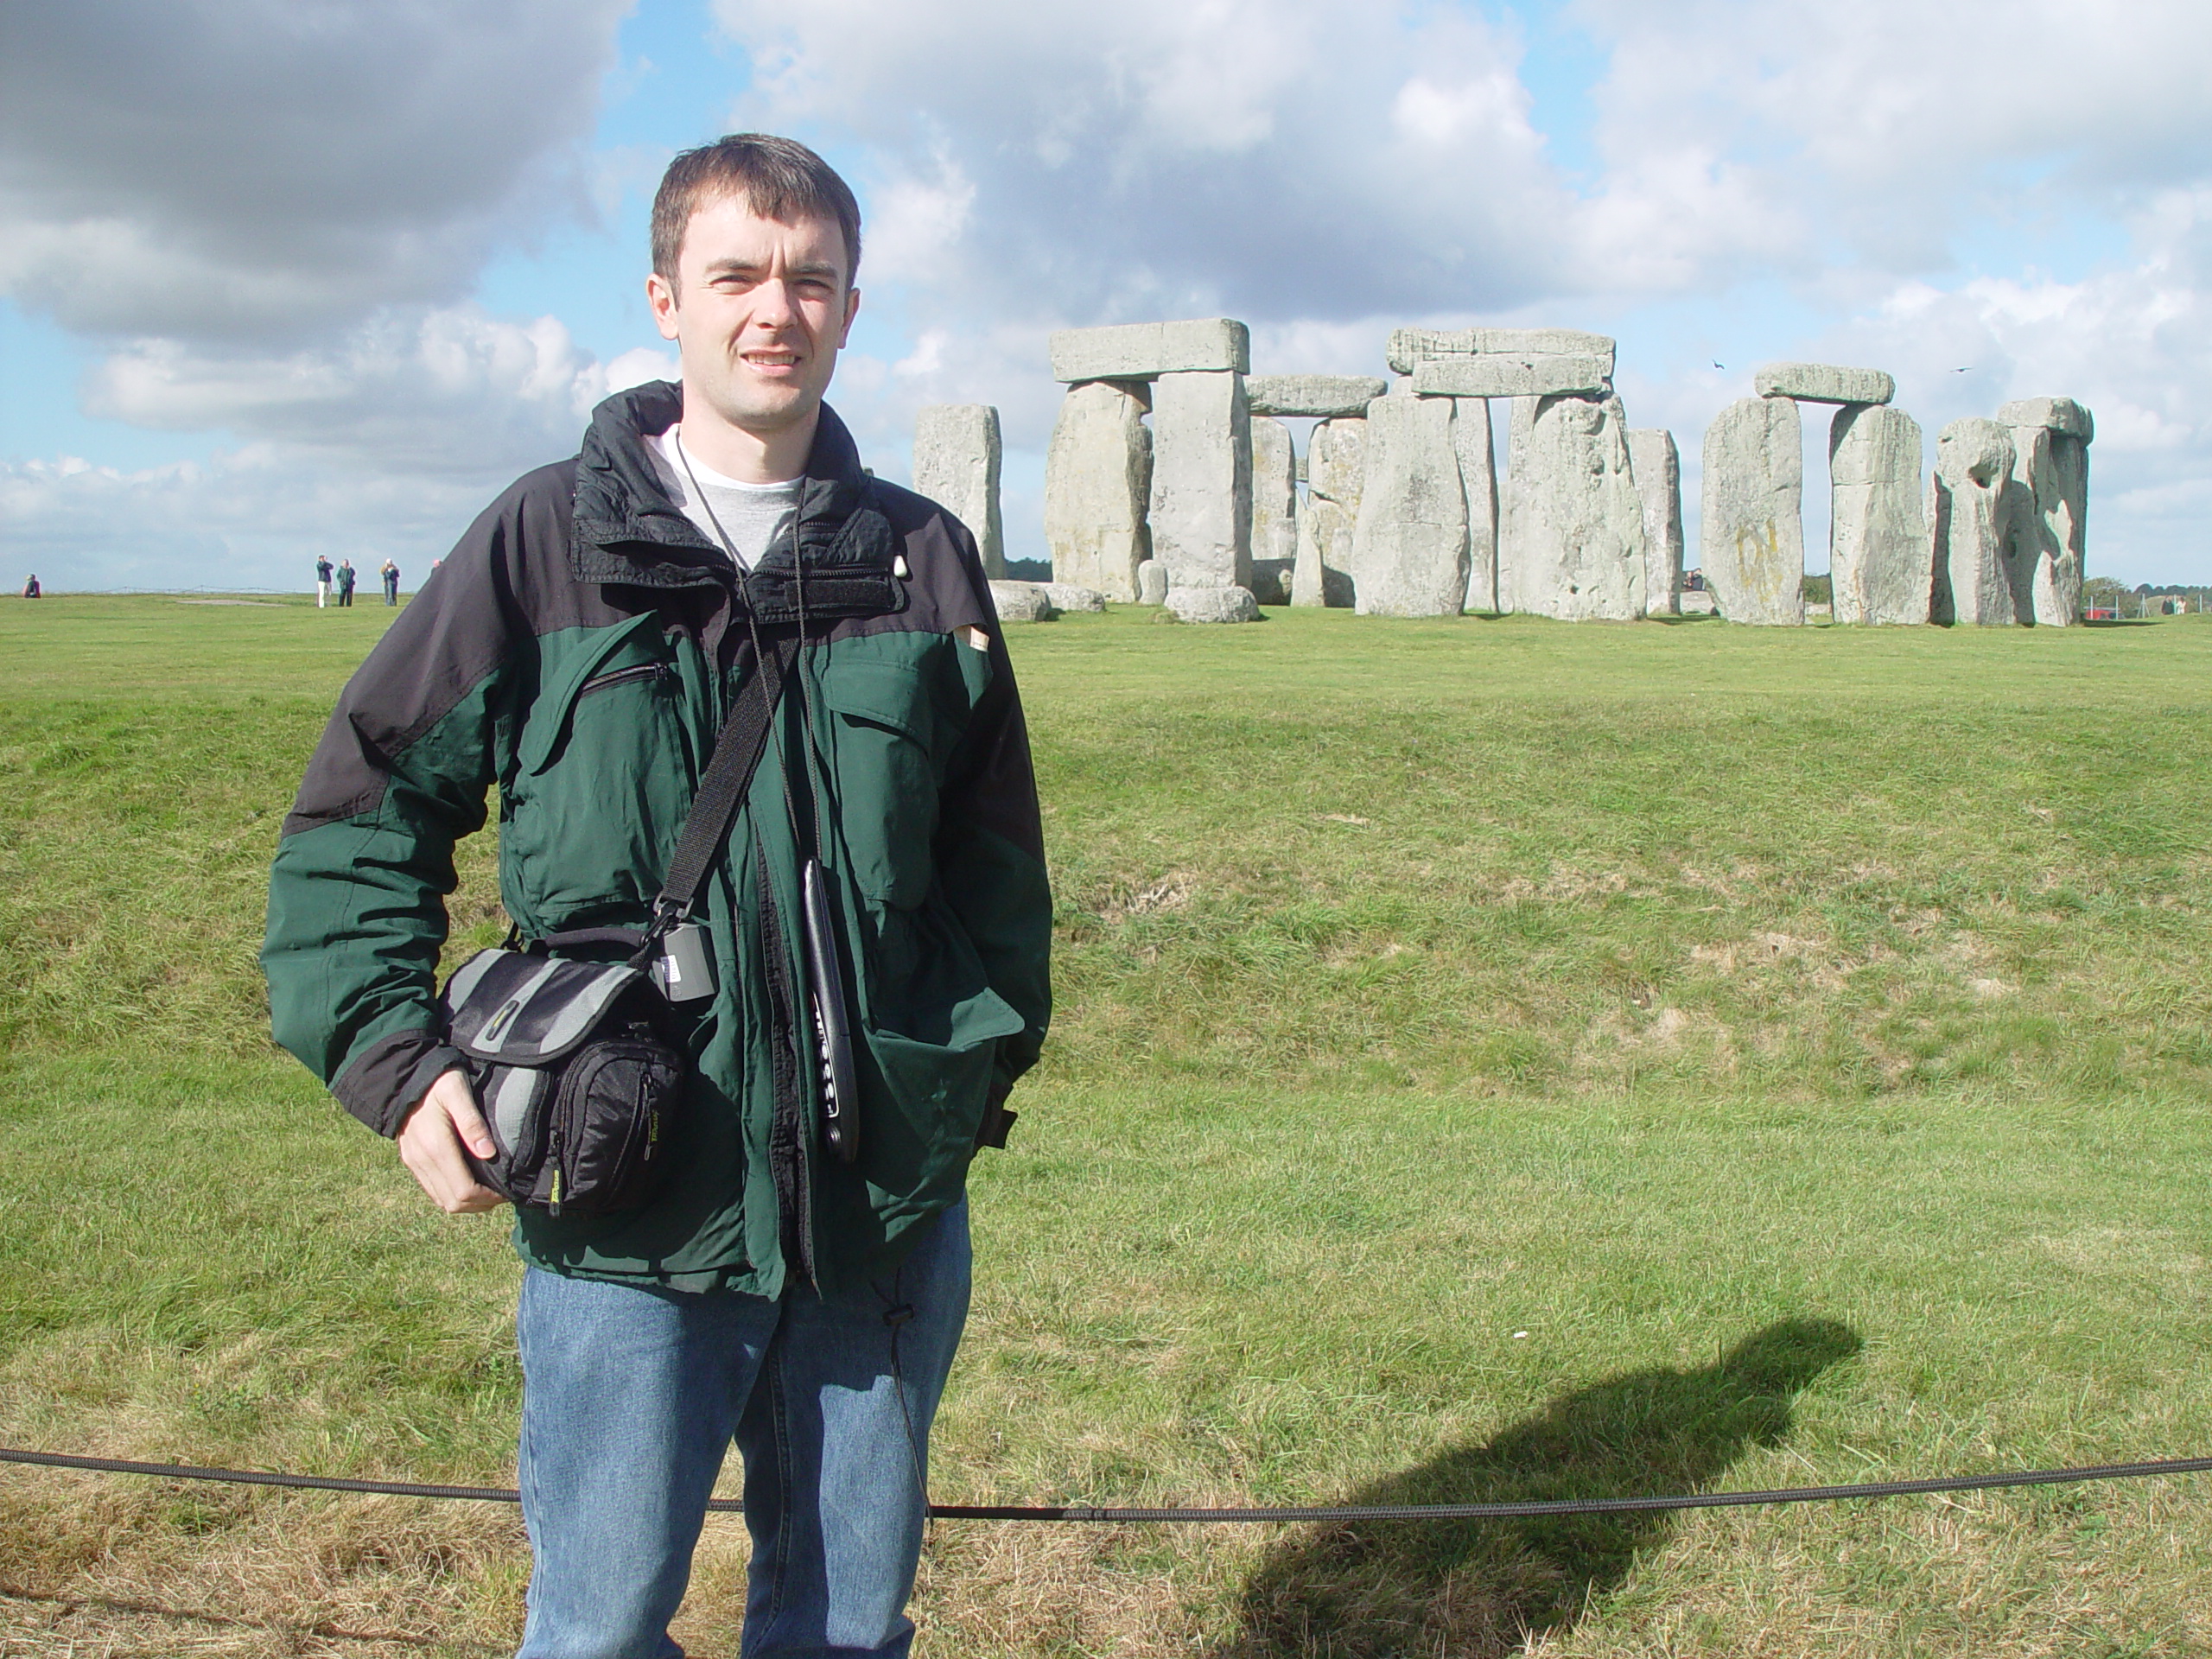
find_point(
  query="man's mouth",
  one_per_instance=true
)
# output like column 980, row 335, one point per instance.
column 772, row 361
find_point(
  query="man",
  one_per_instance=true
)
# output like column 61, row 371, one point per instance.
column 346, row 582
column 390, row 572
column 321, row 580
column 579, row 648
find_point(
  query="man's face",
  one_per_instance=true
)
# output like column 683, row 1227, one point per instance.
column 758, row 312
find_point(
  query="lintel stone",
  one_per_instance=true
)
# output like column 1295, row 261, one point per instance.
column 1823, row 383
column 1321, row 396
column 1143, row 351
column 1510, row 375
column 2060, row 415
column 1411, row 346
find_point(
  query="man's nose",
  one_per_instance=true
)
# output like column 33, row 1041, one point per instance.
column 774, row 304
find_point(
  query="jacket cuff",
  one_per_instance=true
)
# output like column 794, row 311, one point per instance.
column 391, row 1077
column 997, row 1120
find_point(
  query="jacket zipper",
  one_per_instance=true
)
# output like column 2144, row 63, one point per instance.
column 623, row 677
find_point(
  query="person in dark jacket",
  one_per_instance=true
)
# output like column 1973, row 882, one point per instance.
column 322, row 570
column 31, row 589
column 390, row 572
column 345, row 582
column 579, row 648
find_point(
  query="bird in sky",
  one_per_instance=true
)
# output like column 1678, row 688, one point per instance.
column 1719, row 365
column 1967, row 370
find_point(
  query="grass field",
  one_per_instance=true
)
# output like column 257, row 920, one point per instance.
column 1494, row 1059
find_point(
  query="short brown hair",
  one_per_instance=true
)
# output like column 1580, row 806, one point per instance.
column 781, row 178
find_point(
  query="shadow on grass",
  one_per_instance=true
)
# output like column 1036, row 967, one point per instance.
column 1479, row 1588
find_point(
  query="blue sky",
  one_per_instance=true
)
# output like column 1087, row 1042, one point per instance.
column 270, row 286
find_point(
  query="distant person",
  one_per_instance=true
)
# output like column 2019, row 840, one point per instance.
column 345, row 582
column 321, row 580
column 31, row 589
column 391, row 574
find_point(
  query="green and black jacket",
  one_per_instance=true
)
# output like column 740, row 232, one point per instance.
column 578, row 650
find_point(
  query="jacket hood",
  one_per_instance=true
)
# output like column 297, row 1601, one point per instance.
column 627, row 531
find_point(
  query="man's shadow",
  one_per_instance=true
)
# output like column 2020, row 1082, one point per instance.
column 1364, row 1591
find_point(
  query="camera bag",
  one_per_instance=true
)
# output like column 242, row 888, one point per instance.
column 578, row 1066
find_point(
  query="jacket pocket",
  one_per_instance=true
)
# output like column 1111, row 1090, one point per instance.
column 932, row 1025
column 603, row 781
column 882, row 744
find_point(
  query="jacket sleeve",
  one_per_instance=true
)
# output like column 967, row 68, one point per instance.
column 990, row 858
column 357, row 912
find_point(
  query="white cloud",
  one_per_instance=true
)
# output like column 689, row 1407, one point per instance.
column 242, row 169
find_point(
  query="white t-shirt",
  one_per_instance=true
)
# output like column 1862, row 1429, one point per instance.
column 750, row 515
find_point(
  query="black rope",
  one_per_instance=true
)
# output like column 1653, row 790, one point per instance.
column 1087, row 1513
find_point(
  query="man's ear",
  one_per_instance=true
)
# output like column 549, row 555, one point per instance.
column 660, row 295
column 852, row 310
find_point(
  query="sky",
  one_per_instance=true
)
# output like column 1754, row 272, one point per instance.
column 283, row 277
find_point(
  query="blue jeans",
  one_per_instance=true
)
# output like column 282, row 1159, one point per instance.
column 631, row 1395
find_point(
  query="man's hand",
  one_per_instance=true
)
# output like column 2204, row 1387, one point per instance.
column 430, row 1139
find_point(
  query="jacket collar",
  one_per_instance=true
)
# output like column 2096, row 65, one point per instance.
column 628, row 531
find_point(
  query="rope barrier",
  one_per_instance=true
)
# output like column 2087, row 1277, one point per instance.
column 1076, row 1512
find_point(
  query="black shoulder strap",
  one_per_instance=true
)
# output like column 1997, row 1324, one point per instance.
column 728, row 775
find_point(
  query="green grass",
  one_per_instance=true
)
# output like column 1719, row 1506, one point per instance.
column 1495, row 1059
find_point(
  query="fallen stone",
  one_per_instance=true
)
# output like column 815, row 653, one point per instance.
column 1065, row 596
column 1752, row 543
column 1510, row 375
column 1409, row 347
column 1879, row 561
column 2060, row 415
column 1574, row 521
column 1320, row 396
column 2048, row 510
column 1980, row 577
column 957, row 451
column 1823, row 383
column 1410, row 541
column 1212, row 605
column 1336, row 467
column 1097, row 477
column 1201, row 514
column 1151, row 582
column 1143, row 351
column 1658, row 468
column 1275, row 511
column 1695, row 601
column 1470, row 438
column 1022, row 602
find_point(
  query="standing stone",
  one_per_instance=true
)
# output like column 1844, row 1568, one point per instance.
column 1097, row 474
column 1409, row 542
column 1751, row 544
column 1151, row 582
column 1275, row 511
column 1878, row 560
column 2050, row 506
column 1970, row 525
column 1658, row 468
column 1336, row 467
column 1574, row 522
column 1202, row 480
column 956, row 452
column 1470, row 437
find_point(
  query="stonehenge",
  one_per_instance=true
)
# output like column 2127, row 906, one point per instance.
column 1658, row 469
column 2050, row 478
column 956, row 452
column 1173, row 470
column 1573, row 545
column 1878, row 563
column 1752, row 537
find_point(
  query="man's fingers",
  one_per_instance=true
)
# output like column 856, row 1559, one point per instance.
column 431, row 1146
column 453, row 1093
